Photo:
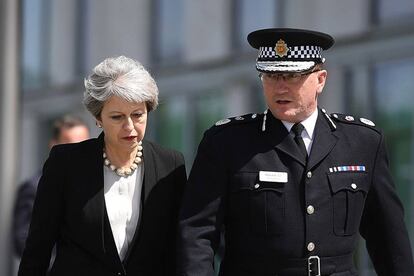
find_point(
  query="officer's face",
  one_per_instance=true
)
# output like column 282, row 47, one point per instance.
column 290, row 98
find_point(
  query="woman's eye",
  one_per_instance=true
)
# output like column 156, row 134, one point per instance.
column 116, row 117
column 137, row 115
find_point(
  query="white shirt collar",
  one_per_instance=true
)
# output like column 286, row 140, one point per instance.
column 309, row 124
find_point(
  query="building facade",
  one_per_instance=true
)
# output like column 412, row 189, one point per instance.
column 198, row 53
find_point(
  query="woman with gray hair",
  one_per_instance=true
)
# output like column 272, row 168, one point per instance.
column 110, row 204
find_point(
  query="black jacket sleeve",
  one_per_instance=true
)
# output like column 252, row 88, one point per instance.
column 23, row 213
column 202, row 213
column 45, row 223
column 383, row 225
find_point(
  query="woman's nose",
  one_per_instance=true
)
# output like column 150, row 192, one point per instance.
column 129, row 124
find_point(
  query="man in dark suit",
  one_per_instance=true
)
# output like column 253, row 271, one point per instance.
column 67, row 129
column 294, row 186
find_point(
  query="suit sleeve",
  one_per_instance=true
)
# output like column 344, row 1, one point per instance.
column 202, row 212
column 383, row 224
column 23, row 214
column 46, row 218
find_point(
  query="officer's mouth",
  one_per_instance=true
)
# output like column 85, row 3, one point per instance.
column 283, row 102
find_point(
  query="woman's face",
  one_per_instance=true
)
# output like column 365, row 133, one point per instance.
column 123, row 123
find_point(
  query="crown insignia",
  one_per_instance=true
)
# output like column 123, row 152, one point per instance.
column 281, row 48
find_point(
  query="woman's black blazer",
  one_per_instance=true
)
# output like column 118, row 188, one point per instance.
column 69, row 211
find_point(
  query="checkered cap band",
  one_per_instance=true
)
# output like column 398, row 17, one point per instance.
column 295, row 52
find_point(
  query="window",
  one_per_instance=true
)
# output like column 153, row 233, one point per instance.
column 168, row 31
column 388, row 11
column 35, row 15
column 52, row 44
column 172, row 122
column 252, row 15
column 394, row 86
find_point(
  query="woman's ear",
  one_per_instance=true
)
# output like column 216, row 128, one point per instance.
column 98, row 122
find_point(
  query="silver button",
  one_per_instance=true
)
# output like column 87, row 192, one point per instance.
column 309, row 174
column 310, row 209
column 311, row 246
column 354, row 186
column 257, row 186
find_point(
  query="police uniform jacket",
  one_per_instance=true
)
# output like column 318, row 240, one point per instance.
column 277, row 209
column 69, row 211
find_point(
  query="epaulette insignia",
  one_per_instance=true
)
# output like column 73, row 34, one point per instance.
column 246, row 118
column 351, row 119
column 222, row 122
column 367, row 122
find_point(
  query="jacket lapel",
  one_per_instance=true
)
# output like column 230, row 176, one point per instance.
column 95, row 216
column 278, row 136
column 150, row 170
column 324, row 141
column 93, row 210
column 149, row 181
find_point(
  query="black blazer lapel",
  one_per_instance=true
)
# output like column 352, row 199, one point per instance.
column 93, row 210
column 324, row 141
column 150, row 170
column 149, row 181
column 96, row 218
column 278, row 136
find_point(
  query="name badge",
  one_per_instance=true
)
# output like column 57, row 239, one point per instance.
column 279, row 177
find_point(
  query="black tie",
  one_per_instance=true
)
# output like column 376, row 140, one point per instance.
column 297, row 130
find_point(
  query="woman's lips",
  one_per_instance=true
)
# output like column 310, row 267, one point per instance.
column 129, row 138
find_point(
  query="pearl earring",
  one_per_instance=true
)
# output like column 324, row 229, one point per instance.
column 98, row 125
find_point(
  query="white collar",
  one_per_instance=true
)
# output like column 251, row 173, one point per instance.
column 309, row 124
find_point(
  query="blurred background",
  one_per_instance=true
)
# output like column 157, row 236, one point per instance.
column 198, row 53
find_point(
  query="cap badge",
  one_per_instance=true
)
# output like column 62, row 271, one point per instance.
column 281, row 48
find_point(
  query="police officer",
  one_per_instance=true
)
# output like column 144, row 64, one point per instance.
column 292, row 187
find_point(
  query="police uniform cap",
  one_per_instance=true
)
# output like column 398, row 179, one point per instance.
column 285, row 50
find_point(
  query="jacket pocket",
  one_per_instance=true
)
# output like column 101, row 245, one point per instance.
column 349, row 190
column 262, row 202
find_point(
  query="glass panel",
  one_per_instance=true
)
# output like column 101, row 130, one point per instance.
column 396, row 9
column 253, row 15
column 51, row 43
column 394, row 83
column 171, row 117
column 168, row 31
column 34, row 38
column 210, row 107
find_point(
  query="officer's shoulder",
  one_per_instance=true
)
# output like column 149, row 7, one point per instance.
column 230, row 123
column 354, row 121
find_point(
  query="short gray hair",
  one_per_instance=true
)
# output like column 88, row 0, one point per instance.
column 122, row 77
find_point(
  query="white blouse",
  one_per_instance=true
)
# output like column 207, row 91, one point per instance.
column 123, row 202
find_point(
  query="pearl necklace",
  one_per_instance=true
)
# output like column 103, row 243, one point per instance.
column 124, row 172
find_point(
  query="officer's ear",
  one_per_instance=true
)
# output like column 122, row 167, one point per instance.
column 321, row 78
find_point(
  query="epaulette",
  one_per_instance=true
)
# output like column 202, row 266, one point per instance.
column 349, row 119
column 236, row 120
